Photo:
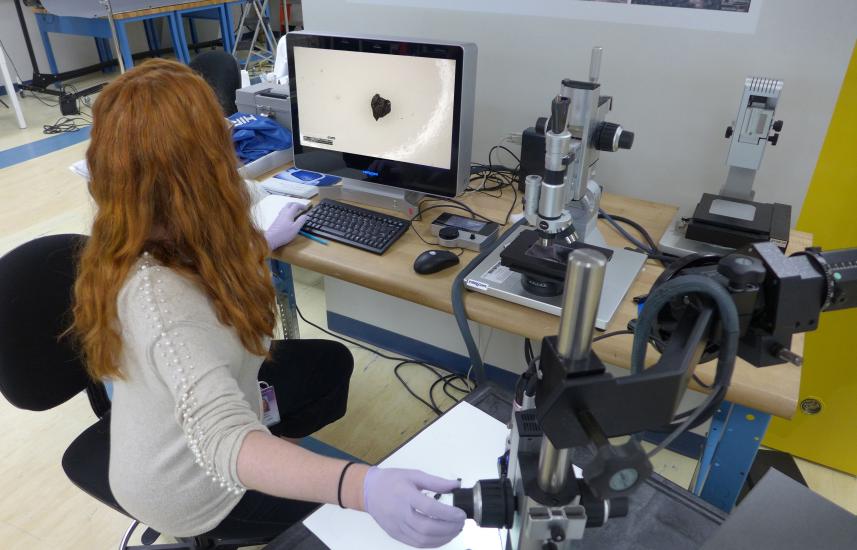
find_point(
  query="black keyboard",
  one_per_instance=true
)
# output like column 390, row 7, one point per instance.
column 355, row 226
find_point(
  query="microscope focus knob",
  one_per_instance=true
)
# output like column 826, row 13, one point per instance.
column 617, row 470
column 742, row 271
column 490, row 503
column 778, row 125
column 611, row 137
column 728, row 132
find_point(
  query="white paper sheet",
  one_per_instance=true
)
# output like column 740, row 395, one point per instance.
column 464, row 443
column 81, row 169
column 266, row 210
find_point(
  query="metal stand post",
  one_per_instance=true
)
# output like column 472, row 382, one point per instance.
column 262, row 24
column 109, row 7
column 10, row 89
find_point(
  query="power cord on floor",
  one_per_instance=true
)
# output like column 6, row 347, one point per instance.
column 448, row 381
column 65, row 125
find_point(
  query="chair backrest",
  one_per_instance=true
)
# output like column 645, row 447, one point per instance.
column 38, row 369
column 222, row 73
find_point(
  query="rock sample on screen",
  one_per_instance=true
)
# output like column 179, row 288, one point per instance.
column 380, row 107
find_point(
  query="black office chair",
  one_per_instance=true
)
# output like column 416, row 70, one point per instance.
column 40, row 370
column 222, row 73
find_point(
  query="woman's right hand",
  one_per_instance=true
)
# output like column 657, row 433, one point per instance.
column 395, row 500
column 286, row 226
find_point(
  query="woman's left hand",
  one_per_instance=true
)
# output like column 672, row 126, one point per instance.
column 286, row 227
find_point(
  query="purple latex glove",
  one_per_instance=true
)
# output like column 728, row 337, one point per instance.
column 395, row 500
column 286, row 227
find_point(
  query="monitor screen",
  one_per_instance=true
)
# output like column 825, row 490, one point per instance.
column 385, row 111
column 345, row 106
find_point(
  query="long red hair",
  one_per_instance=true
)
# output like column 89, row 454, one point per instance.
column 163, row 175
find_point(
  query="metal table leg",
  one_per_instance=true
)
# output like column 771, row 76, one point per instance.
column 734, row 437
column 284, row 284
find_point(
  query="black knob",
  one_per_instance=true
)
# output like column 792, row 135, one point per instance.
column 463, row 498
column 448, row 233
column 741, row 270
column 617, row 470
column 606, row 136
column 774, row 139
column 778, row 125
column 490, row 503
column 626, row 139
column 728, row 132
column 541, row 125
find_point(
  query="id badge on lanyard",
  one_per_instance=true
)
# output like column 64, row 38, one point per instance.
column 270, row 411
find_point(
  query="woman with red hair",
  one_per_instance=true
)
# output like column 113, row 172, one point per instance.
column 174, row 303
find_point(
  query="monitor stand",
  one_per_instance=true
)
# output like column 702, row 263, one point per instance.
column 373, row 194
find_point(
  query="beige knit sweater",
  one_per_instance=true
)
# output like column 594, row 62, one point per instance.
column 189, row 397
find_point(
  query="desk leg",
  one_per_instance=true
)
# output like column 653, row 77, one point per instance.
column 225, row 27
column 46, row 42
column 733, row 441
column 108, row 52
column 230, row 28
column 152, row 37
column 124, row 46
column 179, row 38
column 284, row 285
column 193, row 35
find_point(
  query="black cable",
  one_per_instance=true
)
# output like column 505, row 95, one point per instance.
column 653, row 339
column 431, row 405
column 729, row 330
column 515, row 178
column 528, row 350
column 402, row 361
column 344, row 339
column 457, row 299
column 66, row 125
column 611, row 334
column 453, row 204
column 650, row 248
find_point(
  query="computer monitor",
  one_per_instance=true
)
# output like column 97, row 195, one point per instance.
column 392, row 117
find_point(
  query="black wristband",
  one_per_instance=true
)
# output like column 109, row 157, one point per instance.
column 341, row 480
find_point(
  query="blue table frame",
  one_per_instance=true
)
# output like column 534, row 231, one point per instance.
column 99, row 29
column 733, row 441
column 220, row 13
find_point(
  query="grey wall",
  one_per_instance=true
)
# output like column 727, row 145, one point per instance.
column 677, row 88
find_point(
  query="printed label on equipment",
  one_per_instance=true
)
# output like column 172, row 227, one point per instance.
column 476, row 285
column 498, row 273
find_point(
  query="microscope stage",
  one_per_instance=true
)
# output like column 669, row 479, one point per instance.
column 494, row 279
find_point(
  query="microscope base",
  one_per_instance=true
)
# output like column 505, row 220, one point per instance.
column 494, row 279
column 676, row 243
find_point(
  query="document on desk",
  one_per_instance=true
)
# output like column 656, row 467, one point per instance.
column 266, row 210
column 464, row 443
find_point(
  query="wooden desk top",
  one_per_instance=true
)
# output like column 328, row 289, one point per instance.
column 153, row 11
column 772, row 389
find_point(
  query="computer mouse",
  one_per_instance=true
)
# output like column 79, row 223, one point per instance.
column 432, row 261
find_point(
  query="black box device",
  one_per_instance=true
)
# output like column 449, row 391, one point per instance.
column 452, row 231
column 734, row 223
